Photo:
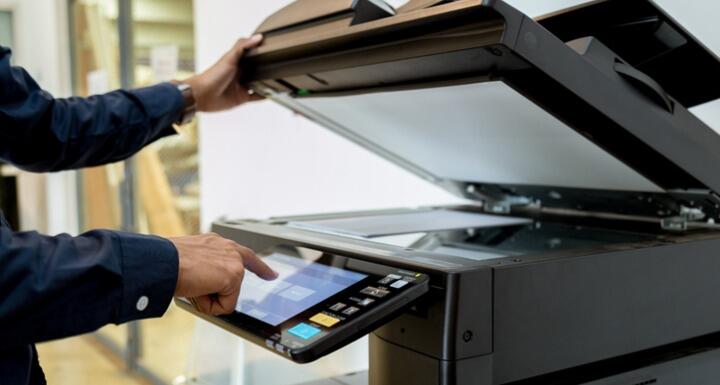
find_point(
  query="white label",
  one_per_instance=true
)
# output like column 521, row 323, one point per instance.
column 98, row 82
column 164, row 60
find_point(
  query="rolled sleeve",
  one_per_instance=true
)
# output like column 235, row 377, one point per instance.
column 41, row 133
column 150, row 272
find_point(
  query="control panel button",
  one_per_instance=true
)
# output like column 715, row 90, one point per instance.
column 324, row 320
column 399, row 284
column 351, row 310
column 376, row 292
column 304, row 331
column 338, row 306
column 366, row 302
column 389, row 278
column 362, row 301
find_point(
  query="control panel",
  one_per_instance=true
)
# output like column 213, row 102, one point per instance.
column 318, row 304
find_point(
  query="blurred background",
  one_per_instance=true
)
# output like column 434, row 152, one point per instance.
column 256, row 161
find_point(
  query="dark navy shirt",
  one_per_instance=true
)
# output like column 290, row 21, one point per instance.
column 60, row 286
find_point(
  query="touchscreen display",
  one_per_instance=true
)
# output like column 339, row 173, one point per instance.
column 301, row 285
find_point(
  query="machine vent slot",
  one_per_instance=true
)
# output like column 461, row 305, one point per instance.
column 647, row 382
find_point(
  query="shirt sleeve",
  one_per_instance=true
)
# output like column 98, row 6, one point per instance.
column 40, row 133
column 55, row 287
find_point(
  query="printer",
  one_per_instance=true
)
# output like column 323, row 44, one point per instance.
column 589, row 249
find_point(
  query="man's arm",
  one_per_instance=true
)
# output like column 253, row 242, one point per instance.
column 54, row 287
column 40, row 133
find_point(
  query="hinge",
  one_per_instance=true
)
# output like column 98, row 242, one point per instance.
column 505, row 206
column 680, row 222
column 502, row 204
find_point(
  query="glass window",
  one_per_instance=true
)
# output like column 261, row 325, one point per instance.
column 96, row 58
column 167, row 171
column 8, row 188
column 6, row 29
column 166, row 192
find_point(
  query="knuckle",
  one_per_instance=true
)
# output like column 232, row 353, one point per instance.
column 229, row 243
column 231, row 252
column 238, row 269
column 246, row 251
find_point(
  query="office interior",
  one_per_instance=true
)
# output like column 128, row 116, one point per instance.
column 257, row 161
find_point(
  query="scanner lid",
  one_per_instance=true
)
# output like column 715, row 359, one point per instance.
column 585, row 109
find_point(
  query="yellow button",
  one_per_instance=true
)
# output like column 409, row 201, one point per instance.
column 324, row 320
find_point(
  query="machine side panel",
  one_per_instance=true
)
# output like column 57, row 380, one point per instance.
column 453, row 324
column 698, row 369
column 472, row 317
column 562, row 313
column 391, row 364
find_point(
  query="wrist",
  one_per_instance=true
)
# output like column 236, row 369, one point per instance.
column 179, row 287
column 189, row 102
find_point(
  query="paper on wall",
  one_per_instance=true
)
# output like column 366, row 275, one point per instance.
column 164, row 60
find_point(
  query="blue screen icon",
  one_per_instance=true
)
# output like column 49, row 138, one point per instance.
column 304, row 331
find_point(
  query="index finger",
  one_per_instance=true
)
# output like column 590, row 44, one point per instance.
column 243, row 45
column 255, row 264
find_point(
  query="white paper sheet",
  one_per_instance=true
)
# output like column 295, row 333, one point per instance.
column 406, row 223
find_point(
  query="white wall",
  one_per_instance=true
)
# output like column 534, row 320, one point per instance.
column 260, row 160
column 48, row 202
column 41, row 41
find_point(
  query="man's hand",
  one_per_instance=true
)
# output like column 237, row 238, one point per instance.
column 219, row 88
column 212, row 269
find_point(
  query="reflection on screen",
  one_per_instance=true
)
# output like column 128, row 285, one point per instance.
column 480, row 132
column 301, row 285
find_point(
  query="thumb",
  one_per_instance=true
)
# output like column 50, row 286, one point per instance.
column 203, row 304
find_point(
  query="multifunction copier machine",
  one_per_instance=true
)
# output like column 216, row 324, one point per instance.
column 589, row 249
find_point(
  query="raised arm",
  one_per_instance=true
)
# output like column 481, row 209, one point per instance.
column 40, row 133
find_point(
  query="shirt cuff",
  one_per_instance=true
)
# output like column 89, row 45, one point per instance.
column 150, row 273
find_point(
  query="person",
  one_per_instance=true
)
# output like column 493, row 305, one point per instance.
column 58, row 286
